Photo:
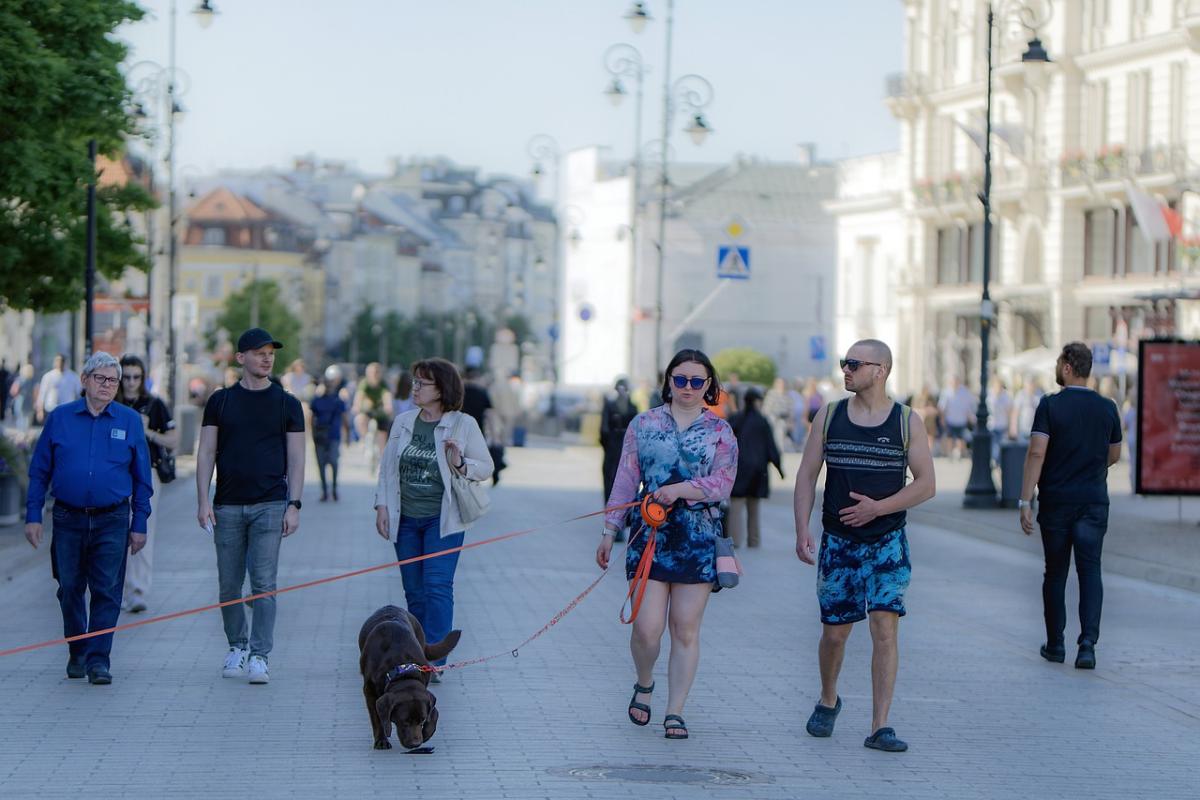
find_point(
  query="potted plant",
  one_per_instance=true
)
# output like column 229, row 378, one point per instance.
column 14, row 475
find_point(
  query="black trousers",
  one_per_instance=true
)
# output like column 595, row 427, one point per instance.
column 1078, row 527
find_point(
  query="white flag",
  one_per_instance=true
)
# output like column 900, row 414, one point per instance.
column 1149, row 214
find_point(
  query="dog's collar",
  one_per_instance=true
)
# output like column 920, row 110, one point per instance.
column 400, row 670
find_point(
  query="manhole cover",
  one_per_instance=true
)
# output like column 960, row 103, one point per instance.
column 652, row 773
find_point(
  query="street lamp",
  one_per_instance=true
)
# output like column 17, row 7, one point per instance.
column 165, row 83
column 625, row 61
column 543, row 148
column 690, row 94
column 981, row 489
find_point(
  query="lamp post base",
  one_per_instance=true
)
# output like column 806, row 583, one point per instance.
column 981, row 489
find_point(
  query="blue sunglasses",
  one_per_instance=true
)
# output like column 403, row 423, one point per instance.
column 681, row 381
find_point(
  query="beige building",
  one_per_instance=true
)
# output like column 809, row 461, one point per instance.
column 1074, row 141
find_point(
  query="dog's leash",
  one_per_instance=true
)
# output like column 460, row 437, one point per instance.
column 355, row 573
column 654, row 514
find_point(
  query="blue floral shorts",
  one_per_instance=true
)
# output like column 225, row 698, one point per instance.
column 854, row 578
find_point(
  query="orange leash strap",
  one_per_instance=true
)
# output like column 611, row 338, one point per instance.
column 654, row 514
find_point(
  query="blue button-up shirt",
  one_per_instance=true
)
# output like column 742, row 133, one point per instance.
column 91, row 461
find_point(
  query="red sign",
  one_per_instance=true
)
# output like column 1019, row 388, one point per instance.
column 1168, row 427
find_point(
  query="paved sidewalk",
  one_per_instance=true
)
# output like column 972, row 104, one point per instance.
column 985, row 716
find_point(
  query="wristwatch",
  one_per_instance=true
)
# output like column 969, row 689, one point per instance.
column 1024, row 504
column 295, row 503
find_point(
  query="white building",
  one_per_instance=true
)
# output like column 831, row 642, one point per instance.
column 1114, row 111
column 771, row 211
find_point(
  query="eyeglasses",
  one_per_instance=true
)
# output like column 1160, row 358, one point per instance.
column 418, row 383
column 131, row 376
column 854, row 364
column 681, row 381
column 104, row 380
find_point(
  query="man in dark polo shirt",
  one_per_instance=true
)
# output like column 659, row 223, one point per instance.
column 253, row 432
column 93, row 454
column 1076, row 438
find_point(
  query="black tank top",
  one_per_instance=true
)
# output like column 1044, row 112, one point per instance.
column 868, row 461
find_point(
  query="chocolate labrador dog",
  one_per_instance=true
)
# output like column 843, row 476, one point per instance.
column 391, row 641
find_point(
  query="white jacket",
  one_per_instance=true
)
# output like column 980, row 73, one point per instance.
column 470, row 442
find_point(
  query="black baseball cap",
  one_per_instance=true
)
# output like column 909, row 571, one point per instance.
column 256, row 338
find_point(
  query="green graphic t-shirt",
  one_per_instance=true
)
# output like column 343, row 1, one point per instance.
column 421, row 486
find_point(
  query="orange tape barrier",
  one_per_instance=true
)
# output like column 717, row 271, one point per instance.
column 343, row 576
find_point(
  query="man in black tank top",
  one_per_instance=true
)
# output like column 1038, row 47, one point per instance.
column 868, row 446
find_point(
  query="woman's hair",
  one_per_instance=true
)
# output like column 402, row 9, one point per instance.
column 130, row 360
column 683, row 357
column 445, row 377
column 404, row 385
column 752, row 399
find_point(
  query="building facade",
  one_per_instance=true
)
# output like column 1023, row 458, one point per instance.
column 749, row 263
column 1075, row 143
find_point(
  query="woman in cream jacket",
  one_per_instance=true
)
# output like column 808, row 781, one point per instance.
column 414, row 505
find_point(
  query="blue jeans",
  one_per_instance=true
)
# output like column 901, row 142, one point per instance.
column 1079, row 527
column 247, row 540
column 429, row 584
column 88, row 553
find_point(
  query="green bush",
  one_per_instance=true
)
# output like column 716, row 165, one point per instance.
column 750, row 366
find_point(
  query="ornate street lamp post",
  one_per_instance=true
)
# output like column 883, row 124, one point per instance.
column 981, row 489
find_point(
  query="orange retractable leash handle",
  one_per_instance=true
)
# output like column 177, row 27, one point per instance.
column 654, row 514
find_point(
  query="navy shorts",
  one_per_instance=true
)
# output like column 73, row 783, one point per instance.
column 855, row 578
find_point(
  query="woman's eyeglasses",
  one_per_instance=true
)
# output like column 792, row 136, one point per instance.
column 854, row 364
column 681, row 381
column 418, row 383
column 131, row 377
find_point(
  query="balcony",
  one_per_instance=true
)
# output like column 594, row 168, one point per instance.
column 903, row 92
column 1115, row 162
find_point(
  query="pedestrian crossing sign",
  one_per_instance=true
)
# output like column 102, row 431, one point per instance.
column 733, row 262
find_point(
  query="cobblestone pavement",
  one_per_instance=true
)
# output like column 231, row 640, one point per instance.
column 985, row 716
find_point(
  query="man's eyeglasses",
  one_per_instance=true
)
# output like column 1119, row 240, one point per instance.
column 681, row 381
column 104, row 380
column 854, row 364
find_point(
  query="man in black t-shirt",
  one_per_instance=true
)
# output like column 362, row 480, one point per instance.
column 253, row 432
column 1076, row 438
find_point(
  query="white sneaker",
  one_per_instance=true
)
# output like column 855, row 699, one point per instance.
column 235, row 663
column 258, row 670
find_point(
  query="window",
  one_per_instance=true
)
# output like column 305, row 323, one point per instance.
column 1100, row 242
column 1095, row 116
column 1097, row 324
column 1137, row 111
column 1178, row 108
column 212, row 287
column 960, row 254
column 214, row 236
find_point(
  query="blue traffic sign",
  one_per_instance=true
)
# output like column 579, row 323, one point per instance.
column 733, row 262
column 816, row 348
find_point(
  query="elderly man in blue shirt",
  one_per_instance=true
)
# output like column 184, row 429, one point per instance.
column 92, row 453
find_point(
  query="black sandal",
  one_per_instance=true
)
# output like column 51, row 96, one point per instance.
column 634, row 705
column 671, row 730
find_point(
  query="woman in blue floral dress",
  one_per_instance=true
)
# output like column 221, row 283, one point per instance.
column 686, row 457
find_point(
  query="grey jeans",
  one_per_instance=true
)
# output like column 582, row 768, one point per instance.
column 247, row 540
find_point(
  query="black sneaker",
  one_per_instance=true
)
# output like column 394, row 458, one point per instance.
column 75, row 669
column 1054, row 652
column 820, row 724
column 99, row 676
column 1086, row 659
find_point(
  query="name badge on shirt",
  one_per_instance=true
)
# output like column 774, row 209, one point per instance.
column 117, row 433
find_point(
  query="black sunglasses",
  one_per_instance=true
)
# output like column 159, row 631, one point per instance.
column 681, row 381
column 854, row 364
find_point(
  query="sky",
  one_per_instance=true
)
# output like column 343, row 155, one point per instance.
column 364, row 81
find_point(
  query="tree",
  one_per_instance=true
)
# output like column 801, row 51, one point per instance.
column 59, row 87
column 750, row 366
column 258, row 305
